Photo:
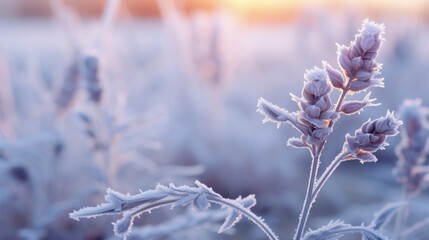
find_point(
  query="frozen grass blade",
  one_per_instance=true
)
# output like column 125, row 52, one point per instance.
column 198, row 197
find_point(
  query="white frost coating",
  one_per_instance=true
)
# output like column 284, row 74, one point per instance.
column 272, row 112
column 199, row 197
column 384, row 216
column 337, row 229
column 371, row 28
column 316, row 74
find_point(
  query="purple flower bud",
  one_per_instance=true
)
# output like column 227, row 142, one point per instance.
column 358, row 59
column 356, row 63
column 357, row 86
column 312, row 111
column 316, row 83
column 365, row 157
column 371, row 36
column 297, row 143
column 324, row 103
column 387, row 125
column 273, row 112
column 335, row 76
column 372, row 135
column 363, row 75
column 318, row 136
column 344, row 61
column 310, row 122
column 351, row 107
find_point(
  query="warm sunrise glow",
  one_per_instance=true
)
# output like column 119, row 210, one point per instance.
column 284, row 8
column 258, row 5
column 261, row 9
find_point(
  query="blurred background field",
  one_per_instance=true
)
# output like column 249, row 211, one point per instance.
column 180, row 81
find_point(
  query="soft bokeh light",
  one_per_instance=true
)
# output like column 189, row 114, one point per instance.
column 165, row 91
column 278, row 10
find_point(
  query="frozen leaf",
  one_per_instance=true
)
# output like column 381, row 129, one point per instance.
column 337, row 229
column 122, row 227
column 201, row 196
column 234, row 216
column 201, row 203
column 232, row 219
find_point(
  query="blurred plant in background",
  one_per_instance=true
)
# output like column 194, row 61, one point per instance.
column 161, row 91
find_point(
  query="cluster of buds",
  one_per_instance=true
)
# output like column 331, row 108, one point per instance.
column 413, row 149
column 313, row 119
column 316, row 116
column 357, row 61
column 371, row 137
column 315, row 105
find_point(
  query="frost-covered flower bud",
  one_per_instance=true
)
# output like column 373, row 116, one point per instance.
column 318, row 136
column 372, row 136
column 316, row 84
column 370, row 38
column 410, row 170
column 358, row 60
column 335, row 76
column 315, row 114
column 296, row 142
column 273, row 113
column 351, row 107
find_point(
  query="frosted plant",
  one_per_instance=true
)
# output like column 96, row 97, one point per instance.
column 70, row 22
column 69, row 87
column 6, row 102
column 191, row 222
column 314, row 120
column 412, row 171
column 91, row 74
column 316, row 115
column 200, row 198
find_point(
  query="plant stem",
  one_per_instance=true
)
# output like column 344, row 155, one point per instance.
column 414, row 229
column 401, row 216
column 308, row 201
column 340, row 101
column 250, row 215
column 310, row 196
column 327, row 173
